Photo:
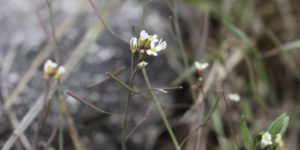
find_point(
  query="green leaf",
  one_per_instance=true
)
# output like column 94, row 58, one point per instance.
column 246, row 135
column 279, row 125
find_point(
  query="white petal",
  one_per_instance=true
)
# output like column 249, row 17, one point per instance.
column 133, row 41
column 144, row 35
column 154, row 36
column 149, row 52
column 162, row 46
column 152, row 44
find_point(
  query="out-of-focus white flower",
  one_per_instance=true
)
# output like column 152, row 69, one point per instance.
column 61, row 71
column 201, row 66
column 200, row 79
column 266, row 140
column 279, row 142
column 133, row 44
column 142, row 64
column 234, row 97
column 49, row 68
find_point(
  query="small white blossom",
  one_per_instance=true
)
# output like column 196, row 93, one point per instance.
column 201, row 66
column 49, row 68
column 133, row 44
column 156, row 48
column 142, row 64
column 144, row 35
column 234, row 97
column 266, row 140
column 61, row 71
column 161, row 45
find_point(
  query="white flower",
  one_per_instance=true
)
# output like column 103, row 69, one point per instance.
column 201, row 66
column 133, row 44
column 144, row 35
column 266, row 140
column 160, row 46
column 156, row 48
column 61, row 70
column 49, row 68
column 142, row 64
column 234, row 97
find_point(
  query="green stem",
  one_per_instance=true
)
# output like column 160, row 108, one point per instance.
column 61, row 129
column 125, row 124
column 161, row 112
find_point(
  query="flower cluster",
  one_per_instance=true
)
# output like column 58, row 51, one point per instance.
column 146, row 45
column 267, row 141
column 51, row 69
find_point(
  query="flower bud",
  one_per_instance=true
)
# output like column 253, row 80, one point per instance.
column 133, row 44
column 61, row 70
column 142, row 64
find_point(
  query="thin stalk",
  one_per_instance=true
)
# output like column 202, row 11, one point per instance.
column 161, row 112
column 44, row 116
column 82, row 101
column 144, row 14
column 129, row 96
column 93, row 5
column 232, row 130
column 57, row 59
column 57, row 52
column 127, row 87
column 61, row 119
column 163, row 90
column 117, row 72
column 52, row 136
column 204, row 122
column 147, row 113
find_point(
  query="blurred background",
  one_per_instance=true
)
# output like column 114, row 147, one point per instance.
column 252, row 48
